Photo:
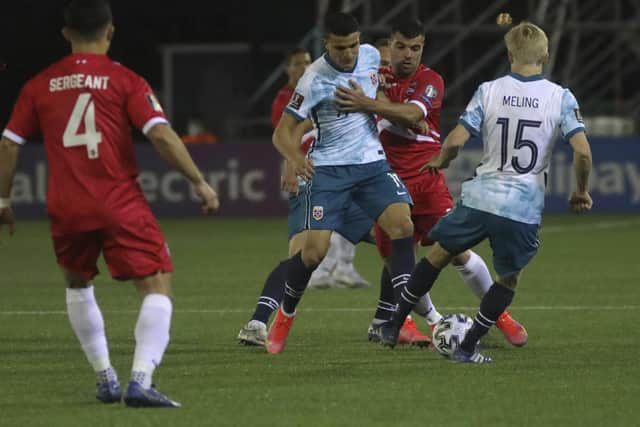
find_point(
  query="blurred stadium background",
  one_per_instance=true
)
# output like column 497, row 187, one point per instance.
column 221, row 64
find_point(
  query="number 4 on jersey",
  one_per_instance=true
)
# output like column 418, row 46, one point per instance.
column 91, row 138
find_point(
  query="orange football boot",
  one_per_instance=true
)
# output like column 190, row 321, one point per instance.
column 512, row 330
column 278, row 333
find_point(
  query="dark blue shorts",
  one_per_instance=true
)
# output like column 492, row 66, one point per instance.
column 328, row 198
column 355, row 228
column 514, row 243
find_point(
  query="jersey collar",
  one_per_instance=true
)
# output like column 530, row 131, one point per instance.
column 335, row 67
column 526, row 78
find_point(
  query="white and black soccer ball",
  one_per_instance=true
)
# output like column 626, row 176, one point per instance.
column 449, row 332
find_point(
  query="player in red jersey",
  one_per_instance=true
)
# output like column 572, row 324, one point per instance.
column 411, row 137
column 85, row 106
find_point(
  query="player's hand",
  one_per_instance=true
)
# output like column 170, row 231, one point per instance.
column 302, row 167
column 580, row 202
column 350, row 99
column 421, row 128
column 209, row 197
column 434, row 165
column 289, row 183
column 6, row 217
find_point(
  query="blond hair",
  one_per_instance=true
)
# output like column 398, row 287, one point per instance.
column 528, row 44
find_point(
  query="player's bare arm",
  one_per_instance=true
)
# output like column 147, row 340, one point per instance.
column 350, row 99
column 580, row 200
column 285, row 142
column 452, row 145
column 168, row 144
column 289, row 180
column 8, row 161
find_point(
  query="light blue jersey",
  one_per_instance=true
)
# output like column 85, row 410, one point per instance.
column 343, row 138
column 519, row 119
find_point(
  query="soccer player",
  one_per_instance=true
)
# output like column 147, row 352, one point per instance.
column 383, row 46
column 84, row 107
column 519, row 117
column 337, row 269
column 356, row 228
column 346, row 165
column 408, row 149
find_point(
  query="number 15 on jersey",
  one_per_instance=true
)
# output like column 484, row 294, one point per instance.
column 84, row 107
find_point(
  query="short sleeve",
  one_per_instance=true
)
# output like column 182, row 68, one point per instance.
column 570, row 119
column 143, row 107
column 303, row 98
column 23, row 123
column 428, row 93
column 473, row 116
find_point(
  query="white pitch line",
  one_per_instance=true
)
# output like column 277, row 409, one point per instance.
column 590, row 227
column 338, row 310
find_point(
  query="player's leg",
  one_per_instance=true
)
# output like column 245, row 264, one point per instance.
column 409, row 333
column 514, row 245
column 322, row 276
column 395, row 220
column 301, row 265
column 137, row 250
column 453, row 234
column 475, row 274
column 356, row 227
column 77, row 255
column 324, row 206
column 299, row 269
column 345, row 273
column 325, row 203
column 152, row 339
column 255, row 331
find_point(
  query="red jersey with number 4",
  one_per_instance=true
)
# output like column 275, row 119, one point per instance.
column 85, row 106
column 409, row 149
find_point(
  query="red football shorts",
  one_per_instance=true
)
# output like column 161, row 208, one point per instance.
column 135, row 248
column 431, row 200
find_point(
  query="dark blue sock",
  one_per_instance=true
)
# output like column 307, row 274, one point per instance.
column 272, row 292
column 493, row 303
column 298, row 276
column 421, row 282
column 387, row 301
column 403, row 260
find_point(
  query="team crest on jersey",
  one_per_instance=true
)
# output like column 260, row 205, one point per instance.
column 318, row 213
column 578, row 115
column 374, row 79
column 431, row 91
column 296, row 101
column 154, row 102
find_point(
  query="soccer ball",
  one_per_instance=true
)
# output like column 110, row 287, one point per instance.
column 449, row 333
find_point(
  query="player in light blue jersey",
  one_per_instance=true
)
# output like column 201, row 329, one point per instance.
column 346, row 165
column 518, row 117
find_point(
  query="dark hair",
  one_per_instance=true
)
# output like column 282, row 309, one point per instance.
column 87, row 17
column 340, row 24
column 409, row 28
column 382, row 42
column 294, row 52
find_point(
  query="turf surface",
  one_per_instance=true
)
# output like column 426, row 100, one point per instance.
column 579, row 300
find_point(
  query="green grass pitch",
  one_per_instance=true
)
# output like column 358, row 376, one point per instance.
column 579, row 299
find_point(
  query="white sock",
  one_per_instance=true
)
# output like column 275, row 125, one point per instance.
column 87, row 323
column 152, row 337
column 330, row 260
column 426, row 309
column 347, row 250
column 476, row 274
